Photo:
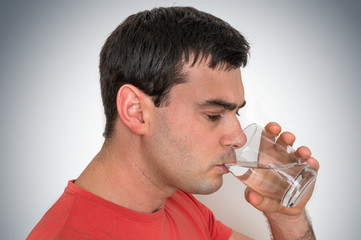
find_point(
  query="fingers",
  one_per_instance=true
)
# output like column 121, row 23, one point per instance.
column 268, row 205
column 313, row 164
column 305, row 153
column 272, row 129
column 286, row 138
column 281, row 148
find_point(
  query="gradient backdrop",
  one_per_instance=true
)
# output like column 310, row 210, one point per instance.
column 304, row 72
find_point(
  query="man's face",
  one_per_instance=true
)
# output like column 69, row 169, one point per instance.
column 192, row 135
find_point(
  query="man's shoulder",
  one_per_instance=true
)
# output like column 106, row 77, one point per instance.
column 54, row 220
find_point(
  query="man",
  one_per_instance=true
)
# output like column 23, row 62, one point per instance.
column 171, row 88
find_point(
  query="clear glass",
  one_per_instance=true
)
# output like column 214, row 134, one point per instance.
column 270, row 168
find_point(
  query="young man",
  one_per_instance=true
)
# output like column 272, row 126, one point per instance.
column 171, row 87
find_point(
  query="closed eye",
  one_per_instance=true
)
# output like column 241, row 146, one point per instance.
column 214, row 118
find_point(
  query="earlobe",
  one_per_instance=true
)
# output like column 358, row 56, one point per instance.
column 131, row 108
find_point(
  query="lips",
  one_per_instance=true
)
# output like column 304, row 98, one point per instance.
column 228, row 158
column 223, row 167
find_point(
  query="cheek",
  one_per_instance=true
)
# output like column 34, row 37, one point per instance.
column 184, row 149
column 172, row 138
column 185, row 127
column 188, row 138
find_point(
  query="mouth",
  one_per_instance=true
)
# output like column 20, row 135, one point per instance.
column 223, row 168
column 227, row 159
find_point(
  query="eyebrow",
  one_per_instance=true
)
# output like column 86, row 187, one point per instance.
column 222, row 104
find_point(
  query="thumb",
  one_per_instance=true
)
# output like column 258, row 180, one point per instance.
column 262, row 203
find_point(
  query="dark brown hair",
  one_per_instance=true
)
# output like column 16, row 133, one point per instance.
column 149, row 48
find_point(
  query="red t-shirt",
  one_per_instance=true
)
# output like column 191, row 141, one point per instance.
column 79, row 214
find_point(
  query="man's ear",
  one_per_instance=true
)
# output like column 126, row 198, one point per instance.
column 132, row 106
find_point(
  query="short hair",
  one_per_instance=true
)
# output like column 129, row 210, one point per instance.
column 149, row 49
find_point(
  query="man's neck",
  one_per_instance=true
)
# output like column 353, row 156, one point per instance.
column 115, row 175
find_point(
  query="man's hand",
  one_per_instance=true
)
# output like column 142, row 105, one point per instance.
column 286, row 223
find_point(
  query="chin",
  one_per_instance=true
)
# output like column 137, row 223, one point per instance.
column 205, row 188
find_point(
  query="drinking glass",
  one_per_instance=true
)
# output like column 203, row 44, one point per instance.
column 269, row 167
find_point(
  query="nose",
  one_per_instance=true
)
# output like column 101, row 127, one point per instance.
column 234, row 138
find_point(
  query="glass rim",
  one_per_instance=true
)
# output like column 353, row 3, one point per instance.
column 254, row 127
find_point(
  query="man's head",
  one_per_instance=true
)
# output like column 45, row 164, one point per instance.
column 150, row 49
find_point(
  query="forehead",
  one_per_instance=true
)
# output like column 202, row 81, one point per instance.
column 203, row 83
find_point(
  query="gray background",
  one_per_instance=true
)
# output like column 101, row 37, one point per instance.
column 303, row 72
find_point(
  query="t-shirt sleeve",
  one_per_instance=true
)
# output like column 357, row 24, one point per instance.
column 217, row 229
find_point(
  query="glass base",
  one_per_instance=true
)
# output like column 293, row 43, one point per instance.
column 303, row 182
